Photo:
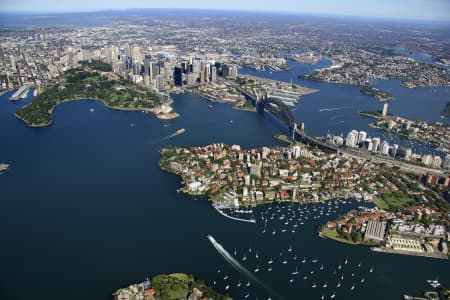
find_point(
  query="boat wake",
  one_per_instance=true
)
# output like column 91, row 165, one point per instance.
column 234, row 218
column 334, row 108
column 336, row 117
column 240, row 268
column 178, row 132
column 169, row 136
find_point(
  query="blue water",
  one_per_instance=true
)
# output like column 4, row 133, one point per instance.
column 335, row 107
column 85, row 210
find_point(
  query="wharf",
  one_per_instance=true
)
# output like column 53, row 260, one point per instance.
column 422, row 254
column 20, row 93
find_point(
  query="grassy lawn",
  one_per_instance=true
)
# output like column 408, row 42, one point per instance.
column 392, row 202
column 177, row 286
column 332, row 234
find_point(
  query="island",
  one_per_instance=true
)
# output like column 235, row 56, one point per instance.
column 446, row 110
column 378, row 94
column 177, row 286
column 87, row 83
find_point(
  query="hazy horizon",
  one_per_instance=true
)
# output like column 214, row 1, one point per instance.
column 421, row 10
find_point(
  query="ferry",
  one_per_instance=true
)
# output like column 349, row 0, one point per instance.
column 180, row 131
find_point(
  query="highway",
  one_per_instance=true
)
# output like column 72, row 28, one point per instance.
column 369, row 156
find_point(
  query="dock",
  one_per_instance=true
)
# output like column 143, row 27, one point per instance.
column 21, row 93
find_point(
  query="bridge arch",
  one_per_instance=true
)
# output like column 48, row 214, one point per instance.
column 279, row 109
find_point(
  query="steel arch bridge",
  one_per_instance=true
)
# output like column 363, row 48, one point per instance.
column 279, row 109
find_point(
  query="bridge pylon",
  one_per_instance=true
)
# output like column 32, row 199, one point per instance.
column 294, row 130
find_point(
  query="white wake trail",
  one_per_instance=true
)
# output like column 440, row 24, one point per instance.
column 334, row 108
column 237, row 265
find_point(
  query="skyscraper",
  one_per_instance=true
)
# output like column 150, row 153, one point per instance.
column 437, row 161
column 446, row 164
column 385, row 148
column 376, row 144
column 213, row 74
column 362, row 135
column 352, row 138
column 385, row 109
column 178, row 76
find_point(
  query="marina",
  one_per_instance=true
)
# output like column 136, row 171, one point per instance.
column 321, row 277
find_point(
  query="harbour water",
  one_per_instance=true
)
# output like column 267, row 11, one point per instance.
column 335, row 108
column 85, row 210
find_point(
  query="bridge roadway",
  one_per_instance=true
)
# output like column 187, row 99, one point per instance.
column 347, row 152
column 368, row 156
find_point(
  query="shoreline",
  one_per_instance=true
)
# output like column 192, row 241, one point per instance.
column 341, row 240
column 169, row 116
column 410, row 253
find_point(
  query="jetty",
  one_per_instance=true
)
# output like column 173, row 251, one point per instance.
column 21, row 93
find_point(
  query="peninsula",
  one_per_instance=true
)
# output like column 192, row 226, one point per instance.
column 86, row 83
column 234, row 176
column 360, row 66
column 434, row 134
column 177, row 286
column 419, row 230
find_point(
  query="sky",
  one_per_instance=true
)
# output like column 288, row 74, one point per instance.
column 438, row 10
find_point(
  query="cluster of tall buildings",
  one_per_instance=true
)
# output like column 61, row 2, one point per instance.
column 162, row 72
column 359, row 139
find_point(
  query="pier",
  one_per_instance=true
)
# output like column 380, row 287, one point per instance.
column 21, row 93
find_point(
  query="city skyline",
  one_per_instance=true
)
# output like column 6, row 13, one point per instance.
column 436, row 10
